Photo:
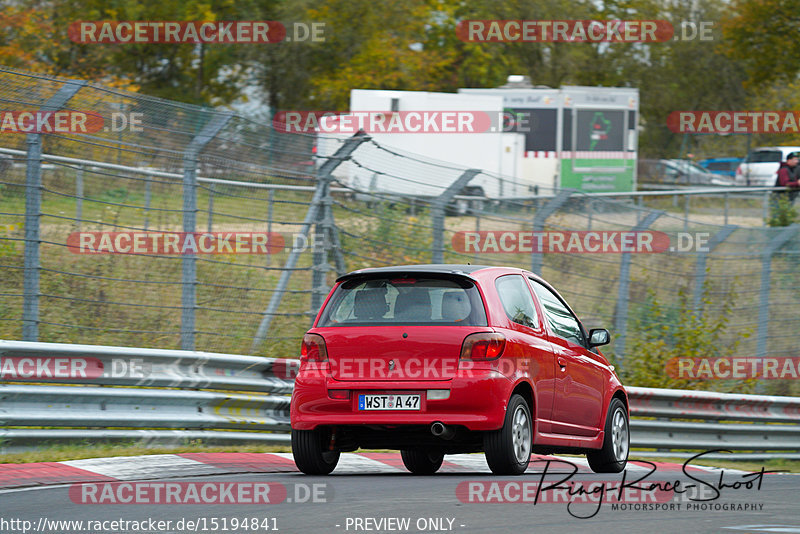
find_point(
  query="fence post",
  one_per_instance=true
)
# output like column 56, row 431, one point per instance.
column 766, row 273
column 147, row 181
column 78, row 197
column 211, row 188
column 700, row 266
column 686, row 212
column 438, row 206
column 33, row 214
column 539, row 218
column 726, row 208
column 323, row 181
column 621, row 309
column 189, row 271
column 478, row 230
column 270, row 203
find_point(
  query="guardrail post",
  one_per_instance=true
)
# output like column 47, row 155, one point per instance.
column 540, row 217
column 766, row 272
column 189, row 276
column 621, row 309
column 438, row 206
column 323, row 183
column 33, row 214
column 700, row 266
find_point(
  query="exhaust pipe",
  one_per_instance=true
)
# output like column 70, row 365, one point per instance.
column 440, row 430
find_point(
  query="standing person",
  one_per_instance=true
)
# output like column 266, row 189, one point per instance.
column 787, row 177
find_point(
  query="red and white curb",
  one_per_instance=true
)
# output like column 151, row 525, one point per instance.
column 160, row 466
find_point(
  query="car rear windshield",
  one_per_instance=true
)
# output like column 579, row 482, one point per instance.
column 405, row 300
column 764, row 156
column 723, row 165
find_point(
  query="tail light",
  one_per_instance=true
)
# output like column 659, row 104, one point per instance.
column 483, row 347
column 313, row 349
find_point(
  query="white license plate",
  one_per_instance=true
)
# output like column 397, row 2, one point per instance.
column 388, row 402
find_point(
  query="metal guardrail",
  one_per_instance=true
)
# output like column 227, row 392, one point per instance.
column 146, row 395
column 151, row 396
column 125, row 366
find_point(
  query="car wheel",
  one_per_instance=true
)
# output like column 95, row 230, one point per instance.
column 508, row 450
column 422, row 462
column 310, row 451
column 614, row 454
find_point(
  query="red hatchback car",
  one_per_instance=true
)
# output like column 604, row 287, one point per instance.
column 445, row 359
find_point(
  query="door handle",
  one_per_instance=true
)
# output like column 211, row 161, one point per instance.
column 562, row 363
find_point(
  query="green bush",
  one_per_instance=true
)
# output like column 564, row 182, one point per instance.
column 660, row 333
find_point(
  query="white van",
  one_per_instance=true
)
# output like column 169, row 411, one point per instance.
column 761, row 165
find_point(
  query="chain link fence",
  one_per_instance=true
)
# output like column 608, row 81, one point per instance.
column 722, row 276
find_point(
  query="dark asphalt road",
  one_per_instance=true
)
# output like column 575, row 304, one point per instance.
column 431, row 504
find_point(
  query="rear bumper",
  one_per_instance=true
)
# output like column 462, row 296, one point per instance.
column 477, row 401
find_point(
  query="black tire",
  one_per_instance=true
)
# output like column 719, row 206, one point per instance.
column 421, row 462
column 310, row 451
column 616, row 444
column 508, row 450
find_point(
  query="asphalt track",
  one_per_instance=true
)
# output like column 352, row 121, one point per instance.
column 362, row 494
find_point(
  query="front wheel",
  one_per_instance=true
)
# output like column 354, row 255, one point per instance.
column 614, row 454
column 421, row 462
column 508, row 450
column 310, row 451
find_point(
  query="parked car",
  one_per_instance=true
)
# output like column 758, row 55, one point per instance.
column 724, row 166
column 679, row 172
column 761, row 165
column 444, row 359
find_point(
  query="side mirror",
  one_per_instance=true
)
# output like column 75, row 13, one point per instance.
column 599, row 336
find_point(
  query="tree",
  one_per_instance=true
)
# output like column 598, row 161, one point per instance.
column 762, row 35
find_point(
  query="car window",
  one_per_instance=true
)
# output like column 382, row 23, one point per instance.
column 719, row 166
column 561, row 320
column 764, row 156
column 516, row 300
column 406, row 300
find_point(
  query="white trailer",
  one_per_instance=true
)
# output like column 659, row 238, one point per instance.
column 425, row 163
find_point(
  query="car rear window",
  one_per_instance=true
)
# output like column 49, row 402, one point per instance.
column 405, row 300
column 764, row 156
column 722, row 165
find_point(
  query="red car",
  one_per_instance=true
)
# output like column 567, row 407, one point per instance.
column 445, row 359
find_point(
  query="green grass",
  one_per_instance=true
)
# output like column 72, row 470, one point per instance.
column 790, row 466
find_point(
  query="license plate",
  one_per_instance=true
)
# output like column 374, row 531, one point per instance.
column 388, row 402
